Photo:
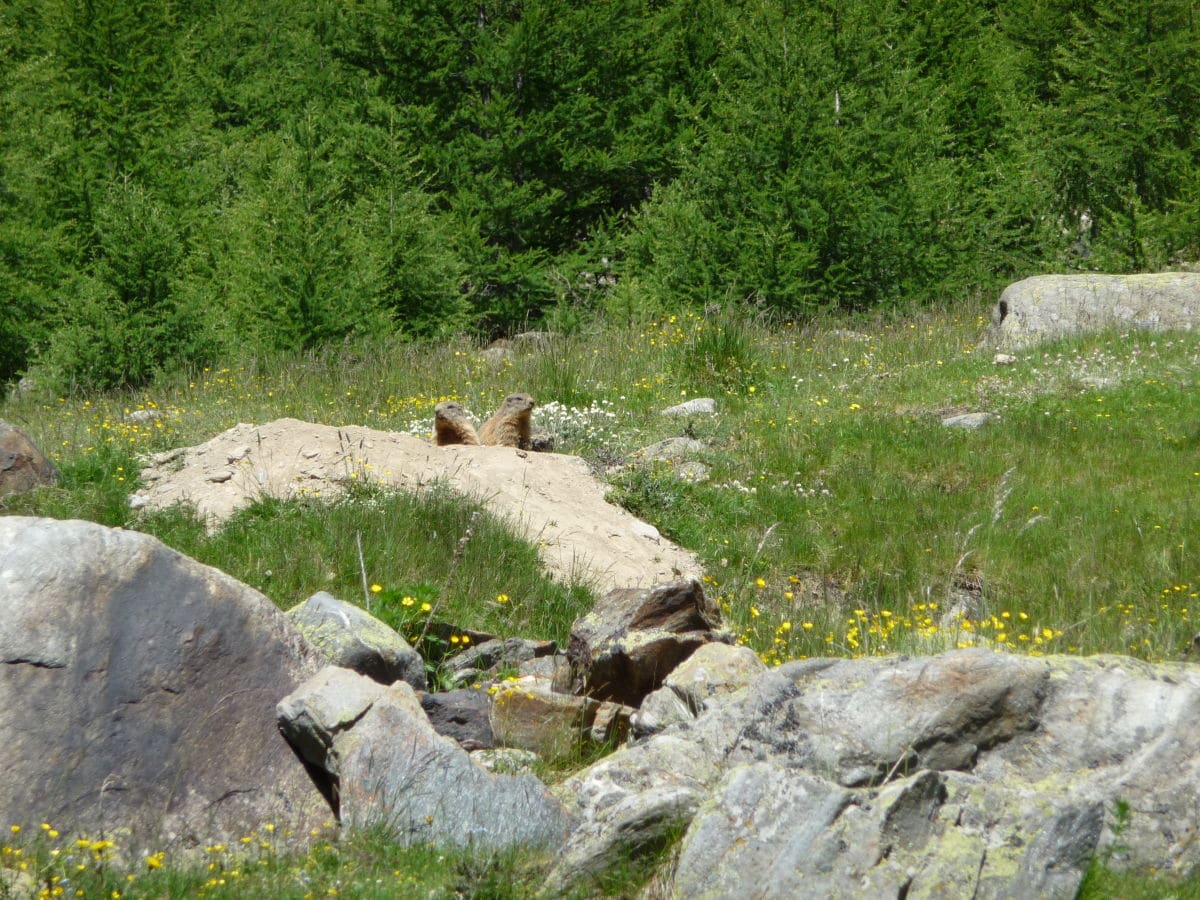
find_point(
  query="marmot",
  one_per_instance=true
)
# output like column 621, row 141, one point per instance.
column 452, row 425
column 510, row 426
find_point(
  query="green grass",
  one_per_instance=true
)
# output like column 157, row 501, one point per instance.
column 840, row 517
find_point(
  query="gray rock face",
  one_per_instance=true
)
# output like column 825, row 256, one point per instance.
column 137, row 690
column 967, row 774
column 1047, row 307
column 632, row 639
column 462, row 716
column 700, row 406
column 391, row 768
column 968, row 421
column 491, row 656
column 353, row 638
column 714, row 671
column 22, row 465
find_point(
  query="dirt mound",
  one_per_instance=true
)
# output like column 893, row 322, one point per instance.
column 551, row 499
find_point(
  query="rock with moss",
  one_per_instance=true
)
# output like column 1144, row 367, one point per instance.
column 351, row 637
column 1049, row 307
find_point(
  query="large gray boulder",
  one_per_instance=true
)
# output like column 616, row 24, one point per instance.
column 1047, row 307
column 389, row 768
column 967, row 774
column 22, row 465
column 137, row 691
column 351, row 637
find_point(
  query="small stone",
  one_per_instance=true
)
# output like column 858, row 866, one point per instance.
column 142, row 416
column 969, row 421
column 219, row 477
column 1003, row 359
column 700, row 406
column 646, row 530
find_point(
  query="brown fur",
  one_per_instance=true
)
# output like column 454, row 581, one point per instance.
column 451, row 425
column 510, row 426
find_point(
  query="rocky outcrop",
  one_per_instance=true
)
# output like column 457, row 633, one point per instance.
column 137, row 691
column 351, row 637
column 708, row 676
column 1047, row 307
column 632, row 639
column 389, row 768
column 966, row 774
column 138, row 687
column 22, row 466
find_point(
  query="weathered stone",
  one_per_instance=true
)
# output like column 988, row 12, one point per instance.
column 967, row 774
column 714, row 671
column 22, row 465
column 495, row 654
column 554, row 669
column 461, row 715
column 398, row 773
column 353, row 638
column 1047, row 307
column 528, row 715
column 968, row 421
column 138, row 689
column 325, row 706
column 629, row 802
column 632, row 639
column 611, row 724
column 506, row 760
column 700, row 406
column 767, row 834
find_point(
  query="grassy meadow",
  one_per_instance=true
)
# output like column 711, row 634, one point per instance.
column 839, row 517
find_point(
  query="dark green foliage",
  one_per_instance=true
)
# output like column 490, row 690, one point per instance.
column 179, row 181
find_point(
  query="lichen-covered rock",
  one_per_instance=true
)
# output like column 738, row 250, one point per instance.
column 966, row 774
column 713, row 672
column 1047, row 307
column 353, row 638
column 528, row 715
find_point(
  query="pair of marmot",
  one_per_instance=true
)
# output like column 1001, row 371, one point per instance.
column 511, row 425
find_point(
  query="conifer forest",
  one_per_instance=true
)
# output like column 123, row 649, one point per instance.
column 186, row 180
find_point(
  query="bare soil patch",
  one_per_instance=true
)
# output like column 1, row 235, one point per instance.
column 550, row 499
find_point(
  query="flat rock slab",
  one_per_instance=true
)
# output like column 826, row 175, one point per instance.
column 548, row 498
column 1048, row 307
column 137, row 692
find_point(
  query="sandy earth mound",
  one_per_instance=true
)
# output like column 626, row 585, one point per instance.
column 548, row 498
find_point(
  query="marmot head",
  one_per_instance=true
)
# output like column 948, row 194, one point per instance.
column 515, row 404
column 450, row 410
